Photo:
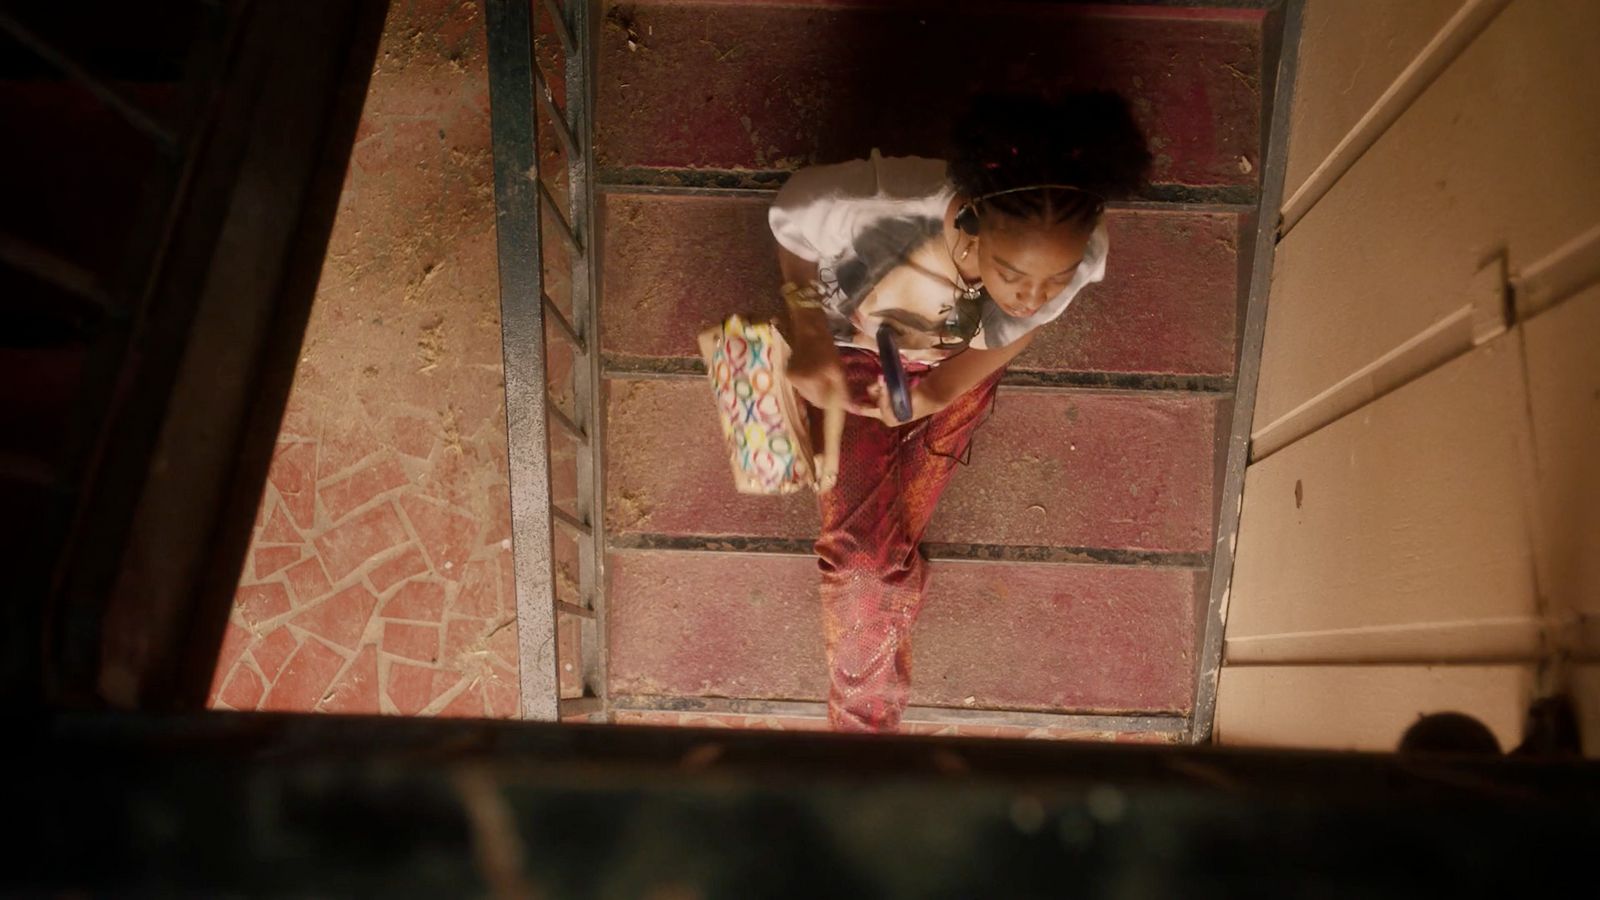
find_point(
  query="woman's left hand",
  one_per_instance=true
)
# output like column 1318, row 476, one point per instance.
column 873, row 408
column 878, row 406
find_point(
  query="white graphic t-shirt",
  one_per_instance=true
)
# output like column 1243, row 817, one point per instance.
column 875, row 227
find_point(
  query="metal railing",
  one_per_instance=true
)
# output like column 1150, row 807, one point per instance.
column 520, row 93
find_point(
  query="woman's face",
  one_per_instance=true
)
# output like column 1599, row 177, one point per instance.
column 1023, row 264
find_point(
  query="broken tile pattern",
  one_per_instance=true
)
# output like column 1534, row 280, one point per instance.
column 373, row 581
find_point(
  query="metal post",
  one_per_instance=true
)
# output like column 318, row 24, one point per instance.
column 518, row 233
column 517, row 88
column 581, row 67
column 1208, row 668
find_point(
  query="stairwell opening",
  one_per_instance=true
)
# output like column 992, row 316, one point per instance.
column 597, row 566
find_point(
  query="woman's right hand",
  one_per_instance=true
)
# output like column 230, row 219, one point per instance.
column 814, row 367
column 818, row 376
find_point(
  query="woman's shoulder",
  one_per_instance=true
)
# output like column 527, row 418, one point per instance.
column 875, row 177
column 820, row 209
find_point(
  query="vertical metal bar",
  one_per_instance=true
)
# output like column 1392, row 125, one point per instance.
column 570, row 233
column 562, row 325
column 571, row 427
column 569, row 141
column 581, row 67
column 517, row 233
column 1209, row 663
column 563, row 27
column 575, row 523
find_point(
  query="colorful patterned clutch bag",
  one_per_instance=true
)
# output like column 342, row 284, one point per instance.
column 766, row 423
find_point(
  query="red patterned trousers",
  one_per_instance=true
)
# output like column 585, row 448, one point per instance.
column 873, row 573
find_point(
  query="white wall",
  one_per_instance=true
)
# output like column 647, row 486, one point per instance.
column 1419, row 528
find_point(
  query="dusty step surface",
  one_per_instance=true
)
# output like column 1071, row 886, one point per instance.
column 1081, row 638
column 700, row 718
column 673, row 265
column 1118, row 470
column 770, row 87
column 712, row 94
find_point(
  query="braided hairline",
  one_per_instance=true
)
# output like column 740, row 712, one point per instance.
column 1050, row 204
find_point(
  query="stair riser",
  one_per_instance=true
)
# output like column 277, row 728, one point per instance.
column 1126, row 471
column 771, row 87
column 676, row 264
column 1079, row 638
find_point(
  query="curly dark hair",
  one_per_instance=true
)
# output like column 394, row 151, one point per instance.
column 1088, row 140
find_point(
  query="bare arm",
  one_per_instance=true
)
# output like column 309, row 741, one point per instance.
column 814, row 367
column 953, row 377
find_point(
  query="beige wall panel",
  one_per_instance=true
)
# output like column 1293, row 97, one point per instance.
column 1399, row 532
column 1563, row 349
column 1350, row 52
column 1363, row 707
column 1499, row 153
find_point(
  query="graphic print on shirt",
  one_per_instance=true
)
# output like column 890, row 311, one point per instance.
column 881, row 281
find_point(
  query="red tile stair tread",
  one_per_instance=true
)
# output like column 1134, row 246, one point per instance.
column 767, row 86
column 1168, row 305
column 1107, row 639
column 1051, row 468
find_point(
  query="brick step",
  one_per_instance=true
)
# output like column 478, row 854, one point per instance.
column 1093, row 639
column 800, row 715
column 772, row 87
column 1167, row 307
column 1123, row 470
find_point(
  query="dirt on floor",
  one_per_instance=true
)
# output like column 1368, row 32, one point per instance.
column 379, row 578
